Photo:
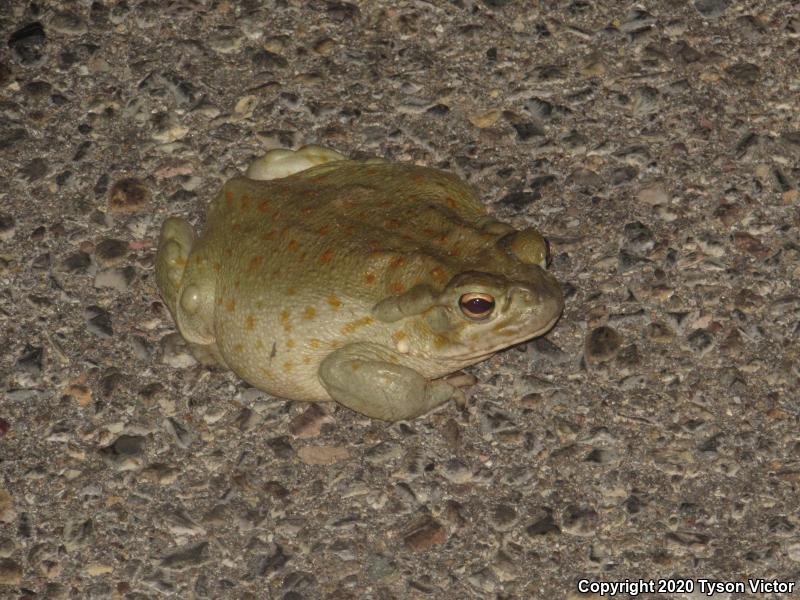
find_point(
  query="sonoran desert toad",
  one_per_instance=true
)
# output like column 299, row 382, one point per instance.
column 364, row 282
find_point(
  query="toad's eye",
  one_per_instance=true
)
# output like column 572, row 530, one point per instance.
column 476, row 306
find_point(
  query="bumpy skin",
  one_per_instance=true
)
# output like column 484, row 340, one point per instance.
column 343, row 281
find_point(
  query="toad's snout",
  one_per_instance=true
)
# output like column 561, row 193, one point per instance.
column 540, row 299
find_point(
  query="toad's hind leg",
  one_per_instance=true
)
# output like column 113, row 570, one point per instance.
column 361, row 377
column 174, row 246
column 283, row 162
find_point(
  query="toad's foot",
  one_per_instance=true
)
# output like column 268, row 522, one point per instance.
column 359, row 377
column 283, row 163
column 174, row 245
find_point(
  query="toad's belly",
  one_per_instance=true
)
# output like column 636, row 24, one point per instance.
column 270, row 366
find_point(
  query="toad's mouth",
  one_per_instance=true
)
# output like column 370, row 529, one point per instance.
column 510, row 337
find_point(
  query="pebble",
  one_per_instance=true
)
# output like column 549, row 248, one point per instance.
column 68, row 23
column 128, row 195
column 98, row 322
column 602, row 344
column 7, row 512
column 744, row 72
column 7, row 226
column 185, row 557
column 577, row 520
column 77, row 262
column 456, row 471
column 28, row 43
column 485, row 119
column 518, row 201
column 711, row 8
column 504, row 517
column 638, row 237
column 10, row 572
column 544, row 525
column 310, row 422
column 659, row 332
column 118, row 279
column 166, row 129
column 527, row 130
column 425, row 535
column 322, row 454
column 110, row 252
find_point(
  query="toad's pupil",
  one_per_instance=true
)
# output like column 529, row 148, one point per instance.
column 548, row 258
column 478, row 305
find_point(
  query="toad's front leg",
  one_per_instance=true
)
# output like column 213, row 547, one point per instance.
column 360, row 377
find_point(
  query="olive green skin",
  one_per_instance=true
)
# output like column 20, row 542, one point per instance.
column 346, row 281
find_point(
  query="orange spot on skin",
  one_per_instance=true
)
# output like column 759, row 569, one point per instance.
column 398, row 287
column 392, row 223
column 438, row 274
column 293, row 245
column 397, row 261
column 306, row 211
column 418, row 178
column 244, row 203
column 238, row 348
column 373, row 244
column 267, row 373
column 399, row 335
column 306, row 359
column 230, row 305
column 291, row 291
column 324, row 230
column 259, row 345
column 334, row 301
column 219, row 300
column 250, row 322
column 309, row 312
column 228, row 252
column 314, row 343
column 450, row 202
column 285, row 320
column 353, row 325
column 355, row 366
column 263, row 206
column 255, row 262
column 181, row 261
column 290, row 343
column 327, row 256
column 287, row 366
column 268, row 235
column 236, row 284
column 370, row 278
column 229, row 199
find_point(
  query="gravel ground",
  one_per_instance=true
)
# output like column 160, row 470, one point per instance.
column 652, row 434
